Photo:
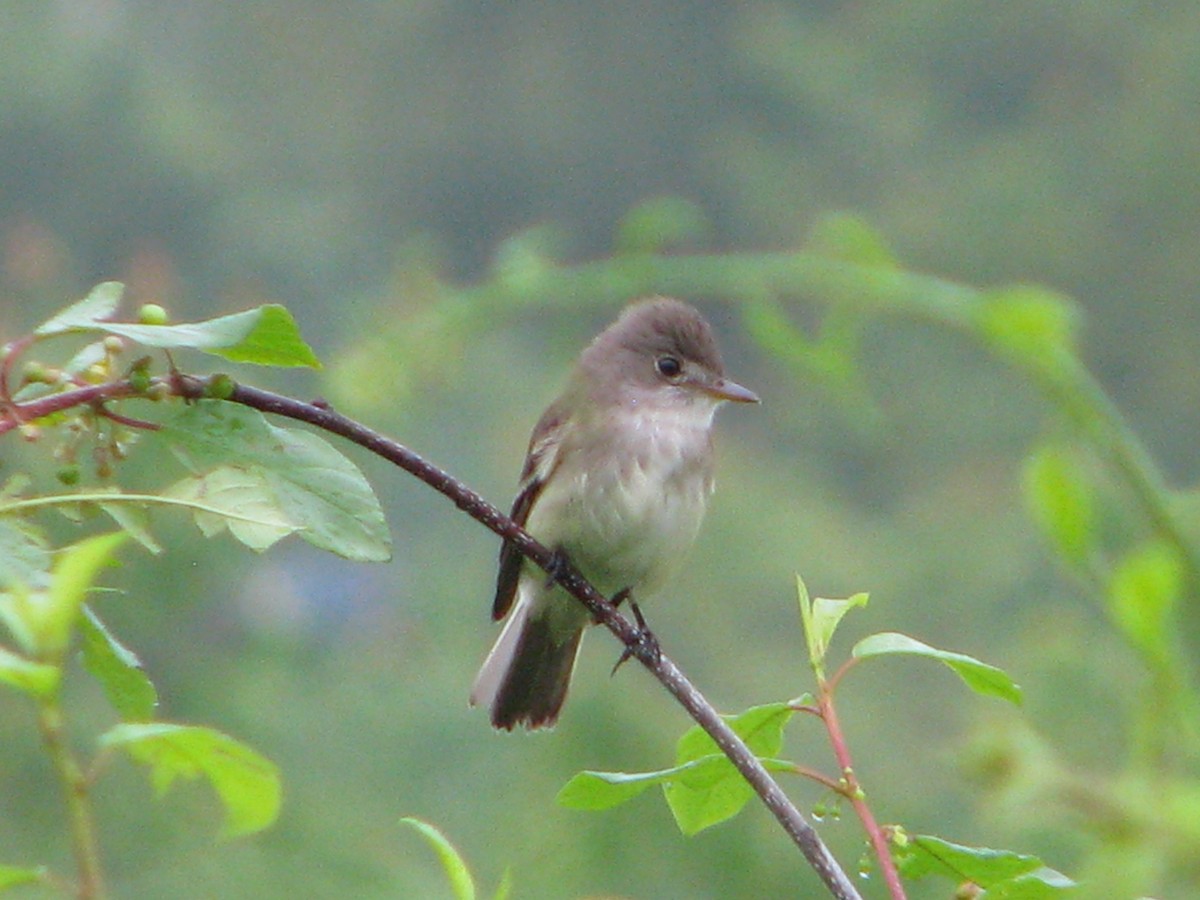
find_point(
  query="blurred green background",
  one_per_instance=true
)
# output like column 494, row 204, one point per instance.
column 218, row 155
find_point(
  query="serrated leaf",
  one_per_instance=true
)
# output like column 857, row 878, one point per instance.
column 1060, row 500
column 1002, row 873
column 118, row 670
column 33, row 678
column 11, row 876
column 1144, row 591
column 247, row 783
column 820, row 618
column 265, row 336
column 978, row 676
column 452, row 862
column 313, row 484
column 237, row 499
column 101, row 303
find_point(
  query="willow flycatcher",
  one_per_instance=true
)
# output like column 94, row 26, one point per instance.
column 616, row 479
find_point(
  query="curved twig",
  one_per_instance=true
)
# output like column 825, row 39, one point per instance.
column 669, row 675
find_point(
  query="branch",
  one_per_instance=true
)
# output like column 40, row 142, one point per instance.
column 668, row 674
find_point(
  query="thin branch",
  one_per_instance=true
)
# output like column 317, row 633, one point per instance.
column 831, row 784
column 832, row 683
column 13, row 415
column 127, row 421
column 702, row 712
column 319, row 415
column 75, row 788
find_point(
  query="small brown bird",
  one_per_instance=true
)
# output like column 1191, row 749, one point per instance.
column 617, row 477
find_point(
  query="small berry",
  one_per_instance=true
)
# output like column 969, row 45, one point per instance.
column 152, row 314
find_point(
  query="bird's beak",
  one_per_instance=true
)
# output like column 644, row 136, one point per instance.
column 724, row 389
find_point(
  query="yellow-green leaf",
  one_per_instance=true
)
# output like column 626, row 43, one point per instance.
column 247, row 783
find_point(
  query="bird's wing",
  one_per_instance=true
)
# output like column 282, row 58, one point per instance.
column 540, row 463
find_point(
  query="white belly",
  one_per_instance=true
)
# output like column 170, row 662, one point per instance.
column 630, row 524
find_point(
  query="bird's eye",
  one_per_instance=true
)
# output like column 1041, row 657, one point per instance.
column 669, row 367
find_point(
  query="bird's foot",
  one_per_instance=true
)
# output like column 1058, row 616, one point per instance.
column 646, row 644
column 560, row 565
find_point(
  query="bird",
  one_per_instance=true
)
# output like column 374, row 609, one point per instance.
column 616, row 479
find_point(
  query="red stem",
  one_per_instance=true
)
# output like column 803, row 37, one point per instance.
column 852, row 789
column 16, row 414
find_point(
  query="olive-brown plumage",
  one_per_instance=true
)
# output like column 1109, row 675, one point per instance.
column 617, row 477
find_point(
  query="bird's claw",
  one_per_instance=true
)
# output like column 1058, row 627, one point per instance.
column 646, row 644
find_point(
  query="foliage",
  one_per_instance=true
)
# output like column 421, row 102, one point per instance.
column 703, row 789
column 343, row 161
column 290, row 482
column 261, row 482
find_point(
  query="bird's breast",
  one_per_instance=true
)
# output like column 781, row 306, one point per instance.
column 627, row 506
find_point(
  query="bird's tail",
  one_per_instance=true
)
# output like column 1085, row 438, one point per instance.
column 525, row 677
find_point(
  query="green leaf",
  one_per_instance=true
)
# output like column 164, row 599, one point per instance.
column 703, row 788
column 820, row 618
column 247, row 783
column 18, row 607
column 592, row 790
column 716, row 791
column 1002, row 873
column 659, row 223
column 238, row 499
column 101, row 303
column 1060, row 500
column 118, row 670
column 273, row 341
column 307, row 480
column 1144, row 591
column 72, row 576
column 266, row 336
column 761, row 727
column 1032, row 325
column 42, row 619
column 978, row 676
column 847, row 237
column 504, row 888
column 11, row 876
column 24, row 554
column 457, row 873
column 34, row 678
column 135, row 522
column 88, row 356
